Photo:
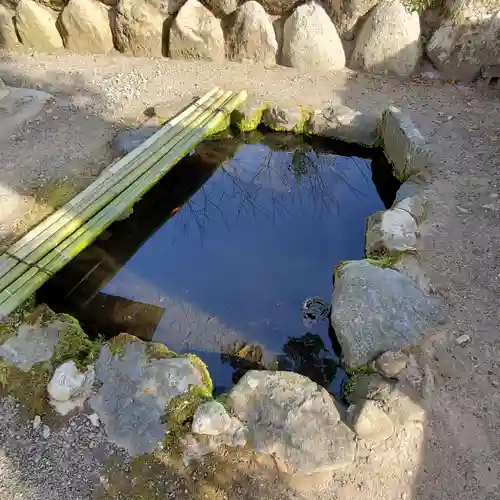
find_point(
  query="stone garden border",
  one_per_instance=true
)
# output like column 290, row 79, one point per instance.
column 382, row 309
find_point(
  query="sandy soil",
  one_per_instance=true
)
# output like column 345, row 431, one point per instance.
column 456, row 453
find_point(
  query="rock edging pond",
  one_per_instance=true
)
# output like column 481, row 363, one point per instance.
column 146, row 396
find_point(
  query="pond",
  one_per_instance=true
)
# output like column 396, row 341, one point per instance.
column 220, row 256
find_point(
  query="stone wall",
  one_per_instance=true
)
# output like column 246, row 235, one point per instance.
column 385, row 37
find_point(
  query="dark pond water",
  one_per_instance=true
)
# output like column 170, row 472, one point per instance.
column 226, row 248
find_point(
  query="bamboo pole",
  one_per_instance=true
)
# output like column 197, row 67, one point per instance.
column 73, row 219
column 55, row 260
column 109, row 178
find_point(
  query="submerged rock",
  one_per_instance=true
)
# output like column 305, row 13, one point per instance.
column 375, row 310
column 138, row 386
column 291, row 417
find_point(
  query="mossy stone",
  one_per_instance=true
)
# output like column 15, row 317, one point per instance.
column 117, row 344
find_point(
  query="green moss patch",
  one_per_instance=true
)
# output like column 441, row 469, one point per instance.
column 155, row 350
column 117, row 344
column 29, row 388
column 180, row 411
column 74, row 345
column 355, row 375
column 205, row 374
column 338, row 268
column 383, row 259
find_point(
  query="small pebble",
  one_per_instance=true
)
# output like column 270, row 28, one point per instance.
column 46, row 432
column 463, row 339
column 37, row 422
column 94, row 419
column 462, row 210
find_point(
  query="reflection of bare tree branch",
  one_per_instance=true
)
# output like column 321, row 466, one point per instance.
column 279, row 179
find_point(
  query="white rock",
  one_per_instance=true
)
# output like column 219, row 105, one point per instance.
column 46, row 432
column 138, row 28
column 8, row 36
column 389, row 41
column 94, row 419
column 37, row 422
column 463, row 339
column 85, row 27
column 36, row 26
column 392, row 230
column 69, row 388
column 196, row 34
column 211, row 418
column 311, row 41
column 251, row 37
column 370, row 422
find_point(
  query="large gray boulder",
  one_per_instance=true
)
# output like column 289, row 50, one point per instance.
column 250, row 36
column 340, row 122
column 196, row 34
column 36, row 26
column 468, row 40
column 311, row 41
column 8, row 36
column 375, row 310
column 23, row 352
column 291, row 417
column 389, row 41
column 136, row 390
column 138, row 28
column 404, row 145
column 84, row 26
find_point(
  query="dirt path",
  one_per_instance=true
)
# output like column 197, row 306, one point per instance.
column 456, row 455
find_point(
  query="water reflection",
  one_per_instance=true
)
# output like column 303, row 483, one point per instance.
column 226, row 248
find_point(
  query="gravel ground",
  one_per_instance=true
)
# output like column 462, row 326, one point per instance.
column 456, row 455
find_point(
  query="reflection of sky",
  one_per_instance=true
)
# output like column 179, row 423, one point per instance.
column 250, row 246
